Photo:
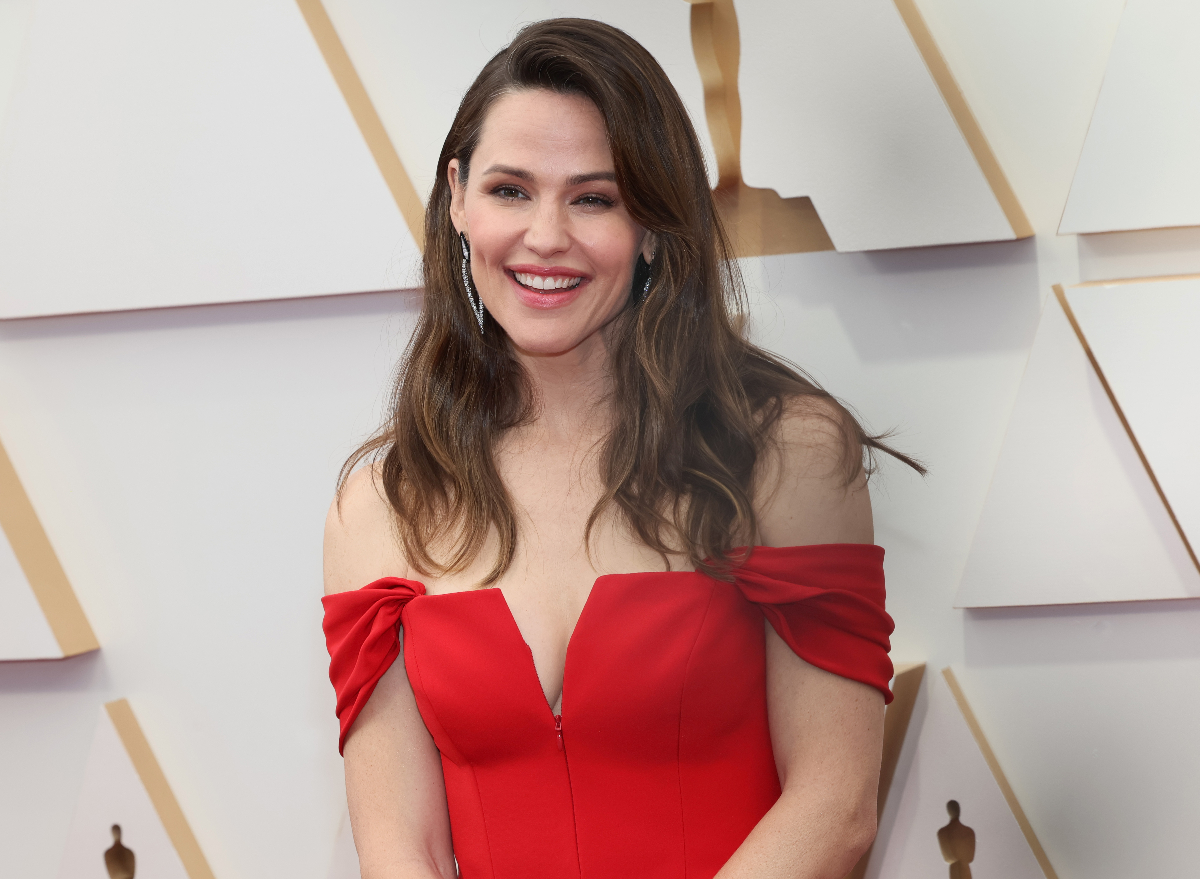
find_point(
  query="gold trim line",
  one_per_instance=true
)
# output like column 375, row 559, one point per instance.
column 1061, row 295
column 967, row 123
column 155, row 783
column 40, row 563
column 363, row 111
column 998, row 774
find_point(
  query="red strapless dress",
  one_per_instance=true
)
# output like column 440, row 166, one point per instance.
column 660, row 763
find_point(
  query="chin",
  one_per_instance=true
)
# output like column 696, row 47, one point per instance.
column 543, row 344
column 545, row 336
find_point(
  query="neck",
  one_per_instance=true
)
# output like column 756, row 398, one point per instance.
column 571, row 391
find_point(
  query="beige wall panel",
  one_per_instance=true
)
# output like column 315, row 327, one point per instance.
column 838, row 105
column 123, row 785
column 184, row 460
column 1138, row 167
column 416, row 67
column 953, row 762
column 889, row 179
column 1144, row 337
column 1072, row 514
column 161, row 154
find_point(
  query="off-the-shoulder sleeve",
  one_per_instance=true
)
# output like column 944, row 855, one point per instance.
column 826, row 602
column 362, row 633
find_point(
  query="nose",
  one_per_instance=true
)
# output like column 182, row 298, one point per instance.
column 547, row 233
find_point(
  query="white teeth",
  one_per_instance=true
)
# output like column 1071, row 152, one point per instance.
column 546, row 282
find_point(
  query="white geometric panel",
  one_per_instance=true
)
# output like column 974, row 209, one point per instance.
column 1145, row 338
column 24, row 630
column 1138, row 167
column 114, row 793
column 417, row 106
column 159, row 154
column 863, row 129
column 1071, row 515
column 15, row 16
column 950, row 765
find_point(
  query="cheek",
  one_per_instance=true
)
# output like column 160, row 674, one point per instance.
column 613, row 250
column 492, row 240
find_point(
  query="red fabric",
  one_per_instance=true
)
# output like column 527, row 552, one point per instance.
column 664, row 763
column 829, row 610
column 362, row 632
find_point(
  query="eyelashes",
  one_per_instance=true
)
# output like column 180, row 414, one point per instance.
column 595, row 201
column 510, row 193
column 507, row 192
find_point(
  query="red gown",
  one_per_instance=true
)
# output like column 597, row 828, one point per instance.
column 660, row 763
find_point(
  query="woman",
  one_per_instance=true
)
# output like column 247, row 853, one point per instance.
column 580, row 426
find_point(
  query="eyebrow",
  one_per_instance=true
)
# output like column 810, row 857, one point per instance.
column 573, row 181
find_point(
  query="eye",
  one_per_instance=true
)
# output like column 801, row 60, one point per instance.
column 508, row 192
column 593, row 200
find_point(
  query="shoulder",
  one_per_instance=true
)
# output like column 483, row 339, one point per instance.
column 810, row 487
column 361, row 544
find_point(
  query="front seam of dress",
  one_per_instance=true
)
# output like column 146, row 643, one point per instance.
column 574, row 814
column 483, row 819
column 474, row 780
column 679, row 727
column 417, row 668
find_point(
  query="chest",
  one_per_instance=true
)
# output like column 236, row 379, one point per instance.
column 554, row 491
column 654, row 656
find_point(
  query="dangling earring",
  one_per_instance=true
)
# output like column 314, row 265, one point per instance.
column 473, row 297
column 649, row 277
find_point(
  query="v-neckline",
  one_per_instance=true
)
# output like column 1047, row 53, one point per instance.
column 516, row 628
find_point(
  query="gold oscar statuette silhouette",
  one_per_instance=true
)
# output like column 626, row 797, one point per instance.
column 958, row 844
column 760, row 221
column 118, row 859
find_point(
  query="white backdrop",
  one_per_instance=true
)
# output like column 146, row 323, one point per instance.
column 182, row 461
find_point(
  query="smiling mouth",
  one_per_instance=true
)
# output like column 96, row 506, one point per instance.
column 546, row 283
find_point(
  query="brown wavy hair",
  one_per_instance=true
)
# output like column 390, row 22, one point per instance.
column 695, row 403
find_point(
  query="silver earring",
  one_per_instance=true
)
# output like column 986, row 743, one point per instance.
column 646, row 289
column 473, row 298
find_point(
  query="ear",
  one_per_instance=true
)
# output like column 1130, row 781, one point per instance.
column 458, row 212
column 649, row 247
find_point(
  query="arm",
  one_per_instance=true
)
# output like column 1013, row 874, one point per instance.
column 826, row 731
column 394, row 783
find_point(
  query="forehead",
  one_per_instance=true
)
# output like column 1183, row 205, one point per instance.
column 544, row 131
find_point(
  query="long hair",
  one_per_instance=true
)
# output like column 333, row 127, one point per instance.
column 695, row 404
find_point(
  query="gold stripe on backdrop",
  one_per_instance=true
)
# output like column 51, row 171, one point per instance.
column 965, row 119
column 155, row 783
column 40, row 563
column 363, row 111
column 998, row 774
column 1112, row 398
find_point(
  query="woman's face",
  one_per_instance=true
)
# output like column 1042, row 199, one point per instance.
column 552, row 245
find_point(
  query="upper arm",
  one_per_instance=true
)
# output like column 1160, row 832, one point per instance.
column 826, row 730
column 394, row 783
column 801, row 492
column 360, row 539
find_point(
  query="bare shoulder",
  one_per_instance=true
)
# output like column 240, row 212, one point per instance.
column 802, row 491
column 360, row 536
